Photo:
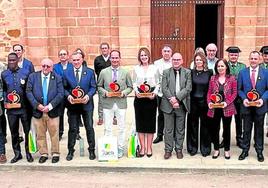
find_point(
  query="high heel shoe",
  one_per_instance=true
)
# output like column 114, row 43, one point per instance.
column 149, row 155
column 216, row 156
column 140, row 155
column 227, row 156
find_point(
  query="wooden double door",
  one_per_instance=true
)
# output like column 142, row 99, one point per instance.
column 185, row 25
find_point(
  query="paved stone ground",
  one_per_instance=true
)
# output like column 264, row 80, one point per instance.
column 26, row 179
column 195, row 164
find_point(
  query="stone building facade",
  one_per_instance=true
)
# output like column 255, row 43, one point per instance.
column 45, row 26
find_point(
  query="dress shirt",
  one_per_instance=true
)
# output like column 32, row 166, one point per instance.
column 79, row 73
column 113, row 69
column 50, row 107
column 256, row 73
column 64, row 66
column 106, row 58
column 162, row 65
column 151, row 76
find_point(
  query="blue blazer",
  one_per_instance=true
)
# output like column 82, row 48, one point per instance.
column 87, row 83
column 35, row 95
column 28, row 65
column 244, row 86
column 58, row 69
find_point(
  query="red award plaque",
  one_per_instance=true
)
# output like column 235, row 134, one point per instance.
column 13, row 100
column 216, row 99
column 78, row 95
column 253, row 96
column 145, row 90
column 115, row 87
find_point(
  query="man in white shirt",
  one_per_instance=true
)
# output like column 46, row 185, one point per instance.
column 162, row 64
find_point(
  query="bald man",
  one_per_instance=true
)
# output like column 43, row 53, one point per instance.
column 45, row 92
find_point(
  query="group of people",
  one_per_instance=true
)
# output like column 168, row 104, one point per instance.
column 166, row 94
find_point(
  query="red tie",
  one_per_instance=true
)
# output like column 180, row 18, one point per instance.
column 252, row 78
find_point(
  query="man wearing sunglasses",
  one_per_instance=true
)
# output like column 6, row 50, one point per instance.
column 14, row 84
column 45, row 92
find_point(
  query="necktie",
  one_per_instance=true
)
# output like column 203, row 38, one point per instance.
column 114, row 75
column 45, row 90
column 178, row 87
column 252, row 78
column 77, row 75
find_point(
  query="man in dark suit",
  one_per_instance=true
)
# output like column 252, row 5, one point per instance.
column 253, row 78
column 28, row 65
column 101, row 62
column 84, row 78
column 176, row 87
column 45, row 92
column 14, row 84
column 59, row 69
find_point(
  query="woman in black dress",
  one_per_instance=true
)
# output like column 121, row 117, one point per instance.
column 145, row 79
column 200, row 80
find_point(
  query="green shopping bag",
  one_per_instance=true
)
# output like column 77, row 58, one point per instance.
column 132, row 146
column 32, row 142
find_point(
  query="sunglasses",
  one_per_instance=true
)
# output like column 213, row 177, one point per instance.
column 46, row 66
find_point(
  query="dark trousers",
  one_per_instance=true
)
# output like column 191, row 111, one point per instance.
column 215, row 129
column 3, row 121
column 160, row 119
column 61, row 125
column 73, row 117
column 258, row 121
column 238, row 121
column 2, row 142
column 13, row 121
column 198, row 112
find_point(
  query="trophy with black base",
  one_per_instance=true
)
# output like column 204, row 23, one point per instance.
column 145, row 90
column 253, row 97
column 78, row 95
column 13, row 100
column 216, row 100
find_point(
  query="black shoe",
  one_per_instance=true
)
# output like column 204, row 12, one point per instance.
column 55, row 159
column 243, row 155
column 192, row 153
column 216, row 156
column 21, row 139
column 92, row 155
column 43, row 159
column 70, row 156
column 149, row 155
column 16, row 158
column 158, row 139
column 78, row 137
column 221, row 144
column 205, row 154
column 260, row 157
column 29, row 157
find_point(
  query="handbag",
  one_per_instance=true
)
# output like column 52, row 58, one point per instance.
column 107, row 148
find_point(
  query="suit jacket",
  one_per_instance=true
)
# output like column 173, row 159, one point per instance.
column 16, row 80
column 169, row 89
column 35, row 95
column 125, row 82
column 58, row 69
column 244, row 86
column 230, row 93
column 100, row 63
column 87, row 83
column 28, row 65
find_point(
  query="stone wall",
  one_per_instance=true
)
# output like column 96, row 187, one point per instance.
column 45, row 26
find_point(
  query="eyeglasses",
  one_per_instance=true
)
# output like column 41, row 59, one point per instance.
column 62, row 54
column 46, row 66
